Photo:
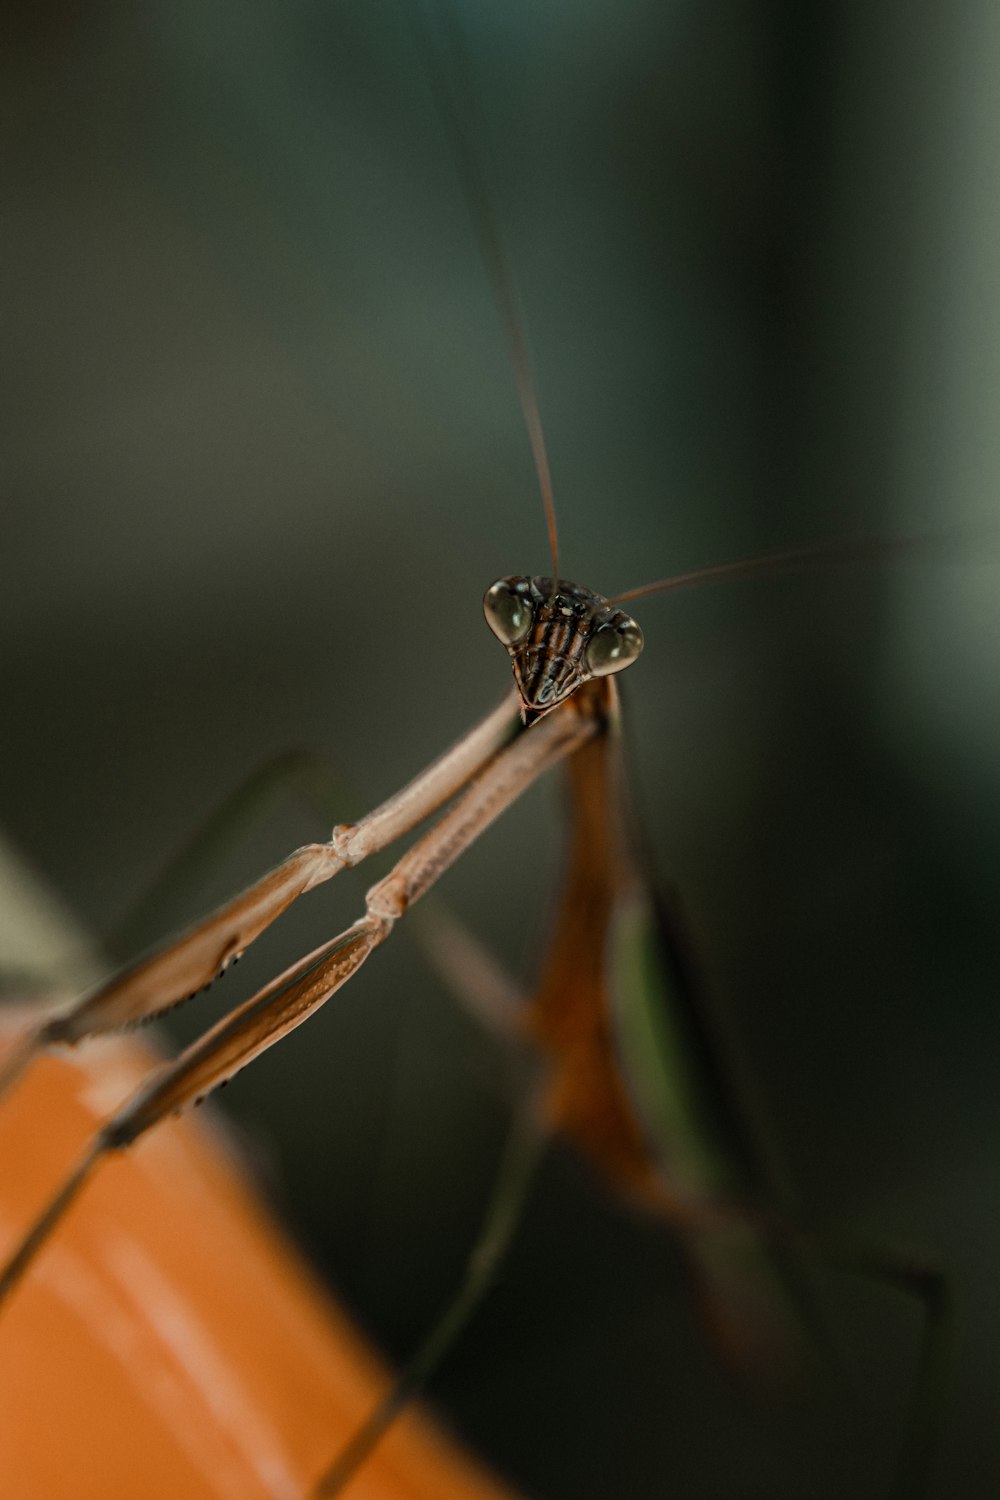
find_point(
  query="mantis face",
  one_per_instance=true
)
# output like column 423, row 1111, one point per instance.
column 558, row 636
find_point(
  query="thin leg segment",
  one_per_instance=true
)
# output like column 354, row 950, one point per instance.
column 518, row 1164
column 295, row 995
column 178, row 970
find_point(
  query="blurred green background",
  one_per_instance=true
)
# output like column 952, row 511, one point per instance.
column 261, row 455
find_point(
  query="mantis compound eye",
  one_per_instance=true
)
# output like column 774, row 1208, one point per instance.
column 508, row 610
column 613, row 647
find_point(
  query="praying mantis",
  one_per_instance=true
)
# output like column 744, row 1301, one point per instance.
column 407, row 702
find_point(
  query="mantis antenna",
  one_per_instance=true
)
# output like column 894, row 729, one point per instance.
column 458, row 115
column 469, row 165
column 834, row 550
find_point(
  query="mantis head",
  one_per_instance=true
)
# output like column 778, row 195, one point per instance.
column 558, row 636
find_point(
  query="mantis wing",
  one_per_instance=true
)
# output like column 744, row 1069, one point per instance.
column 636, row 1082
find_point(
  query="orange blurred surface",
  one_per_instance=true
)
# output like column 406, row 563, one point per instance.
column 168, row 1342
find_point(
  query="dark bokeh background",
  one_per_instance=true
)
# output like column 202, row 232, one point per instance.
column 261, row 454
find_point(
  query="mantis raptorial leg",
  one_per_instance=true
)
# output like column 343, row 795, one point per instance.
column 177, row 970
column 296, row 994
